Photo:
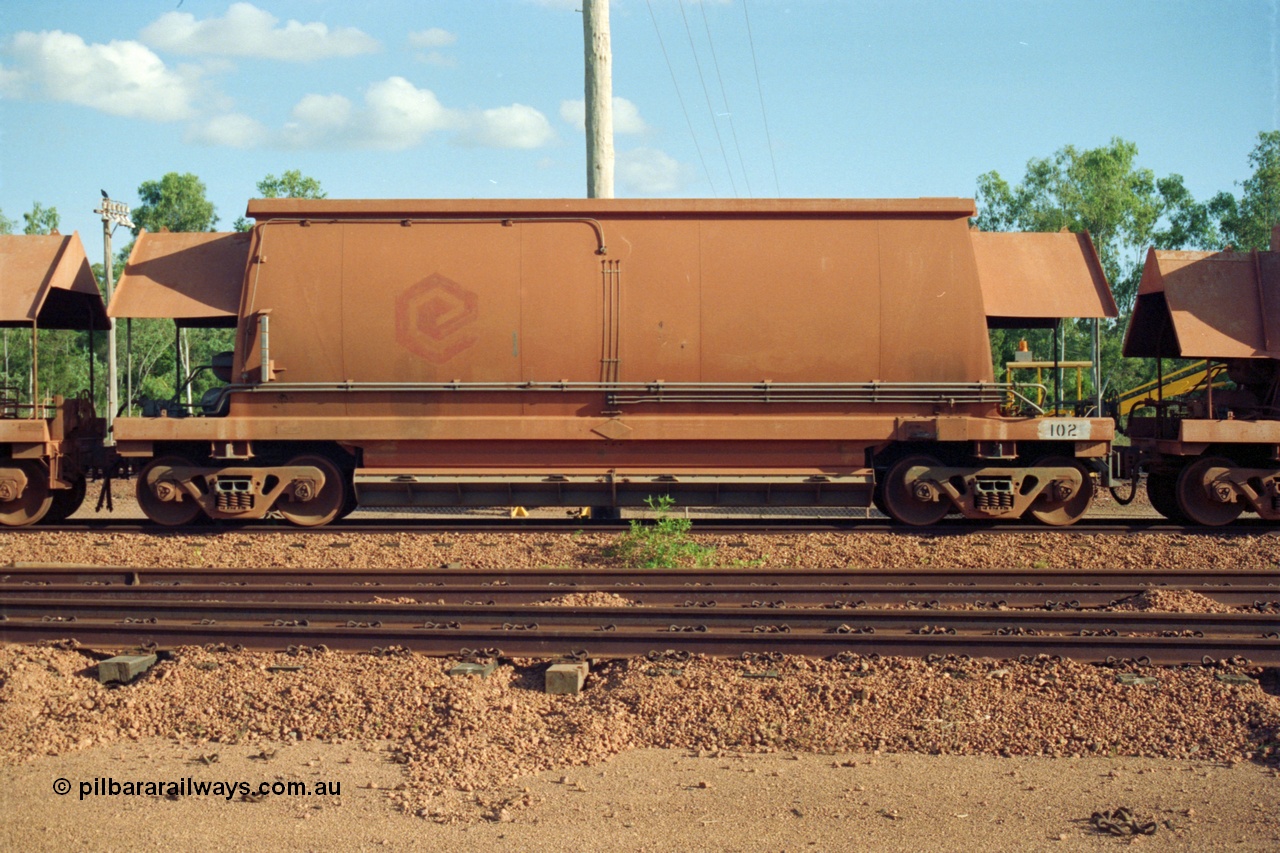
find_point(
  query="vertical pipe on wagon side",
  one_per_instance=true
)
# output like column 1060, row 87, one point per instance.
column 264, row 328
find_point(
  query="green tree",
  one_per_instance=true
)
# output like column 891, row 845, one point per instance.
column 1126, row 210
column 291, row 184
column 6, row 224
column 1099, row 190
column 40, row 219
column 1247, row 223
column 1189, row 224
column 176, row 202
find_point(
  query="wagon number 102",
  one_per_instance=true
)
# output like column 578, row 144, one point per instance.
column 1073, row 430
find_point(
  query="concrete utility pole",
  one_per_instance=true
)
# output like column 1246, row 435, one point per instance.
column 113, row 213
column 599, row 97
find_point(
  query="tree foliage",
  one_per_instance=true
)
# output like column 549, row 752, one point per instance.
column 1247, row 223
column 40, row 219
column 291, row 184
column 1126, row 210
column 1102, row 191
column 6, row 224
column 176, row 202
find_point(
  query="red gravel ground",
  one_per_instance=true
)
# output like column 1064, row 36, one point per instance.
column 653, row 755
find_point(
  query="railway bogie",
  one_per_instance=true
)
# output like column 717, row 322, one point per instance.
column 1212, row 488
column 918, row 489
column 305, row 485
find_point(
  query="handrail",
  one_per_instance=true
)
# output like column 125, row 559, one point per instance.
column 1185, row 380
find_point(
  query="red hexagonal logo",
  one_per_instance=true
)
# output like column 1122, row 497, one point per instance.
column 431, row 317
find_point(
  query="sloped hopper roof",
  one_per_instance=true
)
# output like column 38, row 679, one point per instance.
column 1031, row 280
column 191, row 278
column 46, row 279
column 1207, row 305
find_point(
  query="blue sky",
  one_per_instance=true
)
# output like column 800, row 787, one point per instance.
column 481, row 98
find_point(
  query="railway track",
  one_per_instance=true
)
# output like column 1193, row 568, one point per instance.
column 926, row 588
column 1094, row 526
column 54, row 572
column 721, row 612
column 852, row 596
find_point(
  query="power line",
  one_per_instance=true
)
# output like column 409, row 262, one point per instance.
column 680, row 98
column 725, row 97
column 710, row 110
column 756, row 65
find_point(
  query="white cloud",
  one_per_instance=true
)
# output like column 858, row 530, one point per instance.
column 626, row 116
column 399, row 114
column 516, row 126
column 429, row 40
column 433, row 37
column 323, row 111
column 649, row 171
column 249, row 31
column 395, row 115
column 122, row 78
column 438, row 59
column 228, row 131
column 317, row 121
column 10, row 82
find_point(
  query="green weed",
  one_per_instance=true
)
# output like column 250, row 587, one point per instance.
column 663, row 543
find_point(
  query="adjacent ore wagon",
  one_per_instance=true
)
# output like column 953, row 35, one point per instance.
column 1211, row 456
column 597, row 353
column 46, row 445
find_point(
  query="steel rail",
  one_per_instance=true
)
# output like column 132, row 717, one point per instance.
column 852, row 596
column 757, row 619
column 703, row 526
column 583, row 642
column 561, row 580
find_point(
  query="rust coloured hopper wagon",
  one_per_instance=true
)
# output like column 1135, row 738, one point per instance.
column 46, row 446
column 596, row 353
column 1212, row 455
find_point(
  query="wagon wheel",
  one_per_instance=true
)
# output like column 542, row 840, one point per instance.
column 1196, row 500
column 35, row 500
column 1162, row 492
column 168, row 513
column 898, row 493
column 323, row 507
column 1061, row 513
column 66, row 502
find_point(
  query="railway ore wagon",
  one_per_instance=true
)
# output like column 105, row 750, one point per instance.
column 46, row 444
column 599, row 353
column 1215, row 454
